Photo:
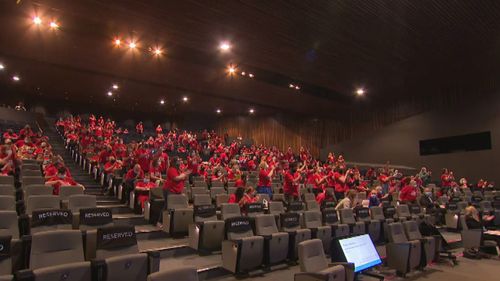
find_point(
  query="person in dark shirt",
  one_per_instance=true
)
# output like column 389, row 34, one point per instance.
column 431, row 206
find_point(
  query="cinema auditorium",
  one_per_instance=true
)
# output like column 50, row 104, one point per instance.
column 204, row 140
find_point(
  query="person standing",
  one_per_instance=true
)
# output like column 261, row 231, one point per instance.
column 174, row 183
column 265, row 175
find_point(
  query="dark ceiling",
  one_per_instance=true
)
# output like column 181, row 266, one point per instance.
column 392, row 49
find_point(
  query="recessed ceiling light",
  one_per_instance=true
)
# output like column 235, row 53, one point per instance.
column 297, row 88
column 2, row 67
column 37, row 20
column 218, row 111
column 110, row 93
column 251, row 111
column 115, row 86
column 243, row 73
column 360, row 92
column 132, row 45
column 185, row 99
column 162, row 101
column 225, row 46
column 117, row 42
column 54, row 25
column 16, row 78
column 250, row 75
column 291, row 86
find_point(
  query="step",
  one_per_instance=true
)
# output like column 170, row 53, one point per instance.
column 149, row 232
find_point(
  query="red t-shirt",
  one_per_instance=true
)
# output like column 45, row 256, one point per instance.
column 173, row 186
column 289, row 187
column 264, row 179
column 408, row 194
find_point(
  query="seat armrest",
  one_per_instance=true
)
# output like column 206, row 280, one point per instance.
column 26, row 249
column 349, row 269
column 310, row 276
column 24, row 275
column 153, row 261
column 267, row 237
column 24, row 224
column 99, row 269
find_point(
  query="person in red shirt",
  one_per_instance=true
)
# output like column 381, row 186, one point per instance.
column 249, row 197
column 265, row 175
column 291, row 184
column 408, row 194
column 174, row 183
column 325, row 196
column 61, row 179
column 241, row 182
column 236, row 197
column 142, row 187
column 139, row 128
column 159, row 130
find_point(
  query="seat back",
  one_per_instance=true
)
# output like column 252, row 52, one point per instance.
column 116, row 240
column 32, row 180
column 9, row 225
column 312, row 256
column 403, row 211
column 362, row 214
column 177, row 201
column 461, row 206
column 6, row 258
column 66, row 191
column 156, row 193
column 80, row 201
column 411, row 230
column 309, row 197
column 377, row 213
column 415, row 209
column 330, row 216
column 265, row 225
column 290, row 222
column 7, row 180
column 254, row 209
column 41, row 202
column 312, row 205
column 347, row 216
column 7, row 189
column 229, row 210
column 311, row 219
column 31, row 173
column 176, row 274
column 57, row 247
column 7, row 203
column 37, row 189
column 238, row 228
column 202, row 199
column 216, row 190
column 276, row 207
column 396, row 233
column 205, row 212
column 485, row 206
column 296, row 206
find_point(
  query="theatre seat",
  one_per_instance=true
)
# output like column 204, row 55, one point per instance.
column 230, row 210
column 118, row 257
column 176, row 220
column 176, row 274
column 154, row 207
column 276, row 208
column 402, row 255
column 373, row 226
column 66, row 191
column 330, row 218
column 312, row 221
column 347, row 217
column 290, row 223
column 403, row 212
column 11, row 250
column 242, row 251
column 315, row 266
column 202, row 199
column 429, row 244
column 220, row 199
column 377, row 213
column 206, row 233
column 37, row 189
column 7, row 203
column 40, row 202
column 56, row 255
column 276, row 243
column 80, row 201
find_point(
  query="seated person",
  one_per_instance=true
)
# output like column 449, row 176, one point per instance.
column 144, row 184
column 409, row 192
column 112, row 166
column 348, row 200
column 432, row 206
column 325, row 196
column 61, row 179
column 249, row 197
column 474, row 221
column 237, row 195
column 241, row 182
column 373, row 199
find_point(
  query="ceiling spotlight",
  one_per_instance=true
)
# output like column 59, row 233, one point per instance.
column 54, row 25
column 132, row 45
column 157, row 51
column 115, row 86
column 250, row 75
column 225, row 46
column 251, row 111
column 16, row 78
column 231, row 70
column 117, row 42
column 243, row 73
column 37, row 20
column 162, row 101
column 2, row 67
column 360, row 92
column 110, row 94
column 185, row 99
column 218, row 111
column 297, row 88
